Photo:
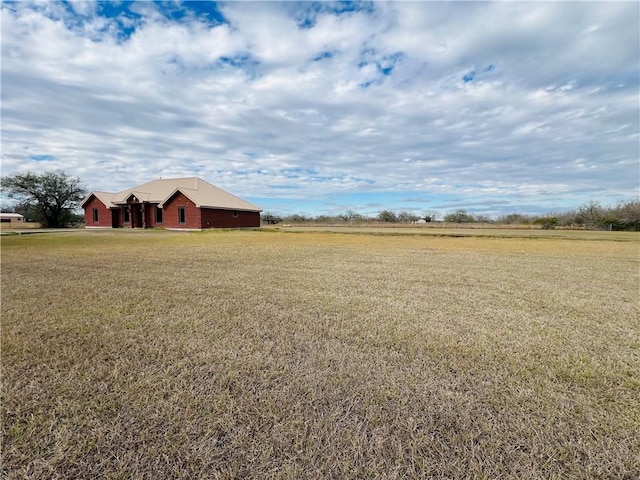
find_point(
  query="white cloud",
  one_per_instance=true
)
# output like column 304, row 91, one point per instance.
column 501, row 101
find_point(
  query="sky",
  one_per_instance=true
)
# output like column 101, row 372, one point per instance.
column 323, row 107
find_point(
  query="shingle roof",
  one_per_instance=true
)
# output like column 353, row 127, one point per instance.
column 202, row 193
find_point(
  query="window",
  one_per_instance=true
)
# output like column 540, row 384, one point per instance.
column 95, row 215
column 235, row 214
column 125, row 214
column 158, row 215
column 182, row 215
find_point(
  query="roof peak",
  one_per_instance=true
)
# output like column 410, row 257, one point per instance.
column 200, row 192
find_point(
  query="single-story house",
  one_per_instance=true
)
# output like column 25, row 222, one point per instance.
column 11, row 218
column 176, row 203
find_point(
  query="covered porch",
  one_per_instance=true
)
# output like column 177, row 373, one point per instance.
column 136, row 213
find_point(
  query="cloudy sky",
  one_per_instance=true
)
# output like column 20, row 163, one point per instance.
column 327, row 106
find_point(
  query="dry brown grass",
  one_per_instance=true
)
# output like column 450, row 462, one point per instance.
column 319, row 355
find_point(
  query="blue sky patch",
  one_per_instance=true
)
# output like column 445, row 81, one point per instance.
column 203, row 11
column 306, row 13
column 241, row 60
column 389, row 62
column 473, row 75
column 42, row 158
column 322, row 56
column 127, row 20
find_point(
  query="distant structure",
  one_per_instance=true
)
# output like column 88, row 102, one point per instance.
column 176, row 204
column 11, row 218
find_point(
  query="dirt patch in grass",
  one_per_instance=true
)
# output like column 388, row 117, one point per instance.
column 319, row 355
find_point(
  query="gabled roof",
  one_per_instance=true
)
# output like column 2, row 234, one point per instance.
column 202, row 193
column 104, row 197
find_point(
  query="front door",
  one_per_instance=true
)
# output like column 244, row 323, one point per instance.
column 136, row 210
column 115, row 217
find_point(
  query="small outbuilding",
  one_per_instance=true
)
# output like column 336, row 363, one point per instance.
column 11, row 218
column 177, row 203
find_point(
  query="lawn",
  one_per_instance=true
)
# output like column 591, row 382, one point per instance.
column 310, row 354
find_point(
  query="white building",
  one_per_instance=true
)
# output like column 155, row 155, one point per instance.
column 11, row 218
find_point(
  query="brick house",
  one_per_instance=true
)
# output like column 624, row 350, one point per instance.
column 177, row 203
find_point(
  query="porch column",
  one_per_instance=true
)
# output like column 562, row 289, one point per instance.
column 144, row 215
column 131, row 220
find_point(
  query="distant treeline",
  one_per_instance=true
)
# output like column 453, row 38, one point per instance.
column 625, row 215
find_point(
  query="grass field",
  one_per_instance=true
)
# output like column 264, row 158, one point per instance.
column 274, row 354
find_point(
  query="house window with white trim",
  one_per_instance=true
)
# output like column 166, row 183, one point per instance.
column 158, row 215
column 125, row 214
column 182, row 215
column 234, row 214
column 95, row 215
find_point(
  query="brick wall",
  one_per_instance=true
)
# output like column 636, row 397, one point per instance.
column 150, row 212
column 170, row 213
column 104, row 214
column 215, row 218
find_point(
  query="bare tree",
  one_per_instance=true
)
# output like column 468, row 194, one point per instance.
column 591, row 212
